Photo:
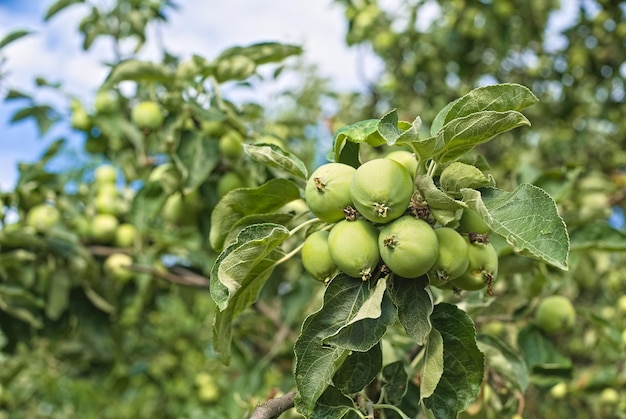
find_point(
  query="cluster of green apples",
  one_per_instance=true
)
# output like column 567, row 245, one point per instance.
column 373, row 228
column 105, row 227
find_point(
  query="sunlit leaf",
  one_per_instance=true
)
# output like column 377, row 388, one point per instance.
column 527, row 218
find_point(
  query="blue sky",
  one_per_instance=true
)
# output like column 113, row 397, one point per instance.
column 198, row 27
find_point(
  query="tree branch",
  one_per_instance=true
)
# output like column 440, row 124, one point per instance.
column 275, row 407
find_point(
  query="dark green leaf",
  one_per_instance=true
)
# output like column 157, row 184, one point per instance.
column 147, row 204
column 358, row 370
column 540, row 354
column 199, row 156
column 59, row 289
column 44, row 116
column 395, row 381
column 463, row 363
column 13, row 36
column 527, row 218
column 506, row 361
column 332, row 404
column 16, row 94
column 368, row 320
column 316, row 362
column 463, row 134
column 415, row 305
column 239, row 203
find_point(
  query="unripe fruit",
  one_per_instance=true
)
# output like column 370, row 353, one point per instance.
column 106, row 102
column 125, row 235
column 452, row 258
column 405, row 158
column 167, row 175
column 471, row 222
column 227, row 182
column 408, row 246
column 182, row 209
column 107, row 202
column 327, row 191
column 80, row 120
column 231, row 145
column 554, row 314
column 42, row 217
column 353, row 246
column 105, row 174
column 609, row 397
column 621, row 304
column 558, row 391
column 116, row 266
column 482, row 268
column 103, row 228
column 147, row 115
column 381, row 190
column 316, row 257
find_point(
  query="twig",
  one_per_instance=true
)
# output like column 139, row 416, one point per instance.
column 275, row 407
column 177, row 275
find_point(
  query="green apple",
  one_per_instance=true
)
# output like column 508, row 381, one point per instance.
column 103, row 227
column 116, row 266
column 147, row 115
column 42, row 217
column 106, row 102
column 555, row 313
column 105, row 174
column 125, row 235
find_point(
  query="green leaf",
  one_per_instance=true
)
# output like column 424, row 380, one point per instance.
column 527, row 218
column 58, row 294
column 540, row 354
column 500, row 98
column 198, row 156
column 432, row 369
column 367, row 322
column 13, row 94
column 234, row 67
column 463, row 134
column 332, row 404
column 352, row 135
column 274, row 156
column 457, row 176
column 265, row 52
column 316, row 362
column 252, row 255
column 136, row 70
column 147, row 204
column 463, row 363
column 504, row 360
column 598, row 235
column 13, row 36
column 44, row 116
column 238, row 275
column 274, row 218
column 415, row 305
column 53, row 149
column 58, row 6
column 358, row 370
column 395, row 381
column 239, row 203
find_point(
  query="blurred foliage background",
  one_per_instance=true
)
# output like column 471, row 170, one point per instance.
column 79, row 340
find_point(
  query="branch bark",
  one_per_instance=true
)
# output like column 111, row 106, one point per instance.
column 275, row 407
